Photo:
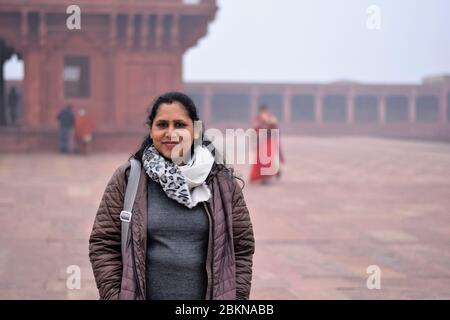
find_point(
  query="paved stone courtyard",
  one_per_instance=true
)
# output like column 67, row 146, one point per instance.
column 342, row 205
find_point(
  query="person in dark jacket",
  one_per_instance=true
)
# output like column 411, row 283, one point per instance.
column 13, row 104
column 66, row 119
column 191, row 237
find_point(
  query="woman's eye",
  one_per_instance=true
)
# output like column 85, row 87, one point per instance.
column 180, row 125
column 161, row 125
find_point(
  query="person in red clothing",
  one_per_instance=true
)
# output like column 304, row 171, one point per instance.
column 84, row 129
column 268, row 149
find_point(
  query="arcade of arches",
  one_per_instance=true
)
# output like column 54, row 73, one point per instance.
column 126, row 53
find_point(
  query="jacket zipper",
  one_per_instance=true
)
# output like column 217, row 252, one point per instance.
column 209, row 255
column 138, row 285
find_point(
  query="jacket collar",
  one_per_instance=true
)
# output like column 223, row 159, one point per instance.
column 214, row 171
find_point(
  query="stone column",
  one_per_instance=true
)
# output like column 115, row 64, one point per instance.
column 24, row 27
column 31, row 88
column 130, row 31
column 318, row 106
column 119, row 94
column 287, row 105
column 3, row 107
column 254, row 94
column 412, row 106
column 144, row 31
column 113, row 30
column 382, row 109
column 443, row 109
column 350, row 106
column 207, row 105
column 174, row 32
column 110, row 81
column 159, row 31
column 42, row 29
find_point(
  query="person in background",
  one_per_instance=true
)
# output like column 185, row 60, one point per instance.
column 269, row 147
column 84, row 129
column 13, row 103
column 66, row 119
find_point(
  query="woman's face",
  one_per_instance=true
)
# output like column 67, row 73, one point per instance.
column 172, row 130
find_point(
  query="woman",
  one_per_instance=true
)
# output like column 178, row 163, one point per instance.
column 191, row 234
column 266, row 149
column 84, row 129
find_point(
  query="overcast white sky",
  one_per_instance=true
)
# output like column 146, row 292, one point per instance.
column 322, row 41
column 319, row 41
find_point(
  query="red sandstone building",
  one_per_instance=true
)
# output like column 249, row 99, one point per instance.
column 128, row 52
column 124, row 54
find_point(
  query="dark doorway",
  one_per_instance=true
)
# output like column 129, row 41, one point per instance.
column 10, row 90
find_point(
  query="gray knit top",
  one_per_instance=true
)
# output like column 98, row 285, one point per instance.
column 177, row 240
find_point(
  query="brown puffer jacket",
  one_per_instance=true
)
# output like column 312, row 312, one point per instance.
column 230, row 247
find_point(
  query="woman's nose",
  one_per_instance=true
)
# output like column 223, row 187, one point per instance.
column 174, row 135
column 171, row 133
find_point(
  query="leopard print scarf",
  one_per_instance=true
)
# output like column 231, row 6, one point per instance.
column 184, row 184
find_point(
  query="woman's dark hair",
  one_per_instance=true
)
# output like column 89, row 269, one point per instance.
column 191, row 109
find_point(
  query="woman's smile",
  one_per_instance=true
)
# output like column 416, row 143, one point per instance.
column 170, row 144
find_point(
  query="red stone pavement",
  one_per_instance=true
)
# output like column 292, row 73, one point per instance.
column 342, row 205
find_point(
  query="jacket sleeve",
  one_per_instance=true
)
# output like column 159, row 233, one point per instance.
column 244, row 244
column 105, row 239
